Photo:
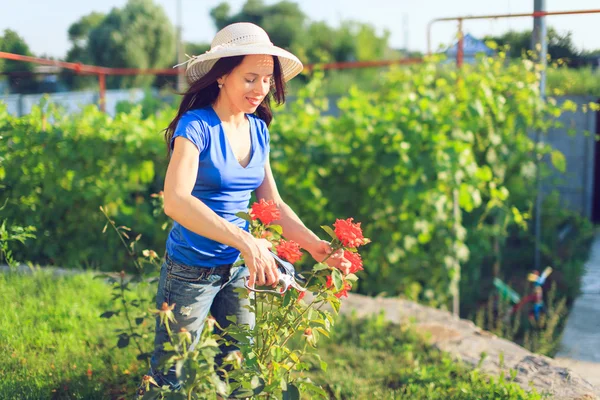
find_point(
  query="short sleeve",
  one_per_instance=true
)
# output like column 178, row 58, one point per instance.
column 191, row 128
column 265, row 133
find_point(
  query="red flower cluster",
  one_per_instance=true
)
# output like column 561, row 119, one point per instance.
column 343, row 291
column 289, row 250
column 356, row 261
column 349, row 233
column 265, row 211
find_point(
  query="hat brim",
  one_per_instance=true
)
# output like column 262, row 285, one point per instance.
column 200, row 65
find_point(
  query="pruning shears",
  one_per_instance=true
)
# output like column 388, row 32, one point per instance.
column 287, row 277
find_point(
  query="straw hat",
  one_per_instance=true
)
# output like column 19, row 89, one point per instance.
column 242, row 38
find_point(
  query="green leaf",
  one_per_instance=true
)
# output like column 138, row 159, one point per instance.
column 558, row 160
column 276, row 228
column 320, row 267
column 335, row 303
column 329, row 231
column 244, row 215
column 323, row 331
column 323, row 365
column 314, row 389
column 338, row 279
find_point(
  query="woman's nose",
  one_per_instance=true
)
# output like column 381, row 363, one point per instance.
column 263, row 88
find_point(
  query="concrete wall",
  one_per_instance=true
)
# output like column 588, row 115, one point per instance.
column 72, row 101
column 576, row 140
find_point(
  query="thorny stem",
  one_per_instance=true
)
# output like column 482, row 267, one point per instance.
column 129, row 251
column 263, row 352
column 126, row 309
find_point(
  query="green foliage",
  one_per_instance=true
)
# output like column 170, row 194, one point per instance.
column 140, row 35
column 542, row 337
column 583, row 81
column 395, row 160
column 312, row 42
column 559, row 45
column 11, row 42
column 55, row 345
column 12, row 234
column 372, row 358
column 79, row 33
column 58, row 175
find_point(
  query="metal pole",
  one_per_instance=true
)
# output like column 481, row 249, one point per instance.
column 429, row 37
column 102, row 84
column 455, row 285
column 180, row 75
column 461, row 44
column 540, row 48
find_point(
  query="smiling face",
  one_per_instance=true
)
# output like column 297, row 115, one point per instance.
column 246, row 86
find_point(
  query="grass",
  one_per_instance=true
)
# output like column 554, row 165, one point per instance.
column 55, row 346
column 373, row 359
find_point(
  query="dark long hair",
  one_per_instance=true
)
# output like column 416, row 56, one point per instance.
column 206, row 90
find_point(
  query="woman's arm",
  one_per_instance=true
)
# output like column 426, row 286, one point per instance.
column 193, row 214
column 294, row 229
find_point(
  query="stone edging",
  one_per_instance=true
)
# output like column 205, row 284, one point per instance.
column 463, row 340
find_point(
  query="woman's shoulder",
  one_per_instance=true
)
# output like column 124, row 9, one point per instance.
column 197, row 114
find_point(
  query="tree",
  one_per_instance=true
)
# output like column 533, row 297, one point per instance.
column 312, row 42
column 284, row 21
column 139, row 35
column 11, row 42
column 559, row 45
column 79, row 33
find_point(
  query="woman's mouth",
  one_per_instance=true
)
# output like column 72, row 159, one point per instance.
column 253, row 101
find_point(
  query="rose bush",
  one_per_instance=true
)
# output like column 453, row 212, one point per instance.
column 268, row 363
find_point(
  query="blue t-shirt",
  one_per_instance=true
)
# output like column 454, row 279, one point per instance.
column 221, row 183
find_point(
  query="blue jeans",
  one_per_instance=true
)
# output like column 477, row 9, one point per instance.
column 196, row 291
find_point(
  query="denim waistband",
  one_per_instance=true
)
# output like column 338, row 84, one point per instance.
column 219, row 269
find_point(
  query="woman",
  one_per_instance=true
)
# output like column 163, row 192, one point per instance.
column 219, row 153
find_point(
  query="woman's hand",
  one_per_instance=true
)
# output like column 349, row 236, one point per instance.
column 321, row 249
column 260, row 262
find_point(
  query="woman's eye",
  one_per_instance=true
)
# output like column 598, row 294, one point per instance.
column 250, row 81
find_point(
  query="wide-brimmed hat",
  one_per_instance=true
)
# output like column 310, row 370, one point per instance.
column 240, row 39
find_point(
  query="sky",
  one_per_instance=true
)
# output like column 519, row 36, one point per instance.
column 44, row 23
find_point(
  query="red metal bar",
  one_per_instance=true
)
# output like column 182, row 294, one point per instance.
column 103, row 71
column 91, row 69
column 363, row 64
column 533, row 14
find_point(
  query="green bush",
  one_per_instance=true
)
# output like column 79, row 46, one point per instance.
column 395, row 159
column 58, row 174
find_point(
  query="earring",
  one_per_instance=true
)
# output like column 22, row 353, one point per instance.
column 220, row 85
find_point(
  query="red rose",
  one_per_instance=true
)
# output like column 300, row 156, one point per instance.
column 265, row 211
column 348, row 233
column 289, row 250
column 344, row 290
column 355, row 260
column 329, row 282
